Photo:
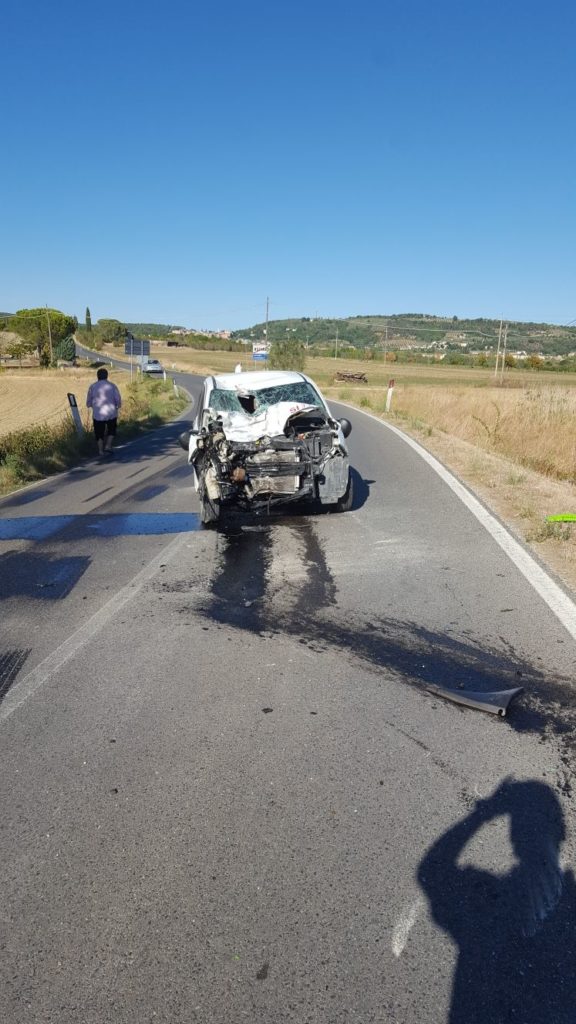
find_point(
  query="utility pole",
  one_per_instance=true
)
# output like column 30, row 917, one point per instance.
column 49, row 335
column 504, row 352
column 266, row 328
column 498, row 352
column 386, row 344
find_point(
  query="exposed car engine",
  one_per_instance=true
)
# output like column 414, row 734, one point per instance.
column 287, row 467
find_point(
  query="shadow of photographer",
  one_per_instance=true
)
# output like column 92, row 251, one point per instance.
column 515, row 932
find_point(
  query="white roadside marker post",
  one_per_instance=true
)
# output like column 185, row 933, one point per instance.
column 389, row 395
column 75, row 414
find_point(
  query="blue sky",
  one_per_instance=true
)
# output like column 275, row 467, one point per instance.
column 178, row 162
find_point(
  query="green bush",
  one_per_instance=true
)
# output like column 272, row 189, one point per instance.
column 287, row 355
column 65, row 349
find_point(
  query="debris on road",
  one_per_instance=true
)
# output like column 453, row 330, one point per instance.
column 494, row 701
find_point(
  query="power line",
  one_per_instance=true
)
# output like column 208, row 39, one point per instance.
column 23, row 316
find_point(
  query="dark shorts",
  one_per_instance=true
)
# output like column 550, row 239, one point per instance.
column 105, row 428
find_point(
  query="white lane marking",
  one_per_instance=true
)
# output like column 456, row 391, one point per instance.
column 32, row 682
column 557, row 600
column 404, row 926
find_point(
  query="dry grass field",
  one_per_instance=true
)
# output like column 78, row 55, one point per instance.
column 534, row 426
column 31, row 397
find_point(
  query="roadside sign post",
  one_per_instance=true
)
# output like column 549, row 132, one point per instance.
column 135, row 347
column 389, row 395
column 260, row 351
column 75, row 413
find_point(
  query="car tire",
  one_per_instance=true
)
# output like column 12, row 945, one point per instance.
column 209, row 509
column 345, row 503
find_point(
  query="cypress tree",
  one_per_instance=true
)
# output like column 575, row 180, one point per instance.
column 88, row 320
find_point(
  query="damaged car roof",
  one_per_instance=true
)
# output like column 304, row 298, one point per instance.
column 255, row 379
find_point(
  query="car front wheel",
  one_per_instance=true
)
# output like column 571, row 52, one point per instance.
column 344, row 504
column 209, row 509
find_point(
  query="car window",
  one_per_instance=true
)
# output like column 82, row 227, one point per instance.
column 298, row 391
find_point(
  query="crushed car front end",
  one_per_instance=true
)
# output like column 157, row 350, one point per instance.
column 250, row 452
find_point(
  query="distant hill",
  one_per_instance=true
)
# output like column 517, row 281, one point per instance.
column 151, row 330
column 416, row 330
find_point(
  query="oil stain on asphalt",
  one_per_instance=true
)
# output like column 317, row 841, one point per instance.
column 407, row 650
column 239, row 588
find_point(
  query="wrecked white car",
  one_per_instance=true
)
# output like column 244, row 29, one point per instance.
column 266, row 438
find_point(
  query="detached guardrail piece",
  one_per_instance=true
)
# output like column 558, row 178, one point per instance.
column 494, row 701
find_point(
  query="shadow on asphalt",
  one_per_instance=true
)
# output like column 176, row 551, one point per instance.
column 361, row 490
column 39, row 576
column 514, row 932
column 25, row 498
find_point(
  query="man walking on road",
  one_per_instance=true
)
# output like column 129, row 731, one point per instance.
column 104, row 399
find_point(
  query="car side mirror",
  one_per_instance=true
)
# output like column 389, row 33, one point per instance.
column 346, row 427
column 184, row 440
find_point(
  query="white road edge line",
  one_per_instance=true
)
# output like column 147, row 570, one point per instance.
column 32, row 682
column 557, row 600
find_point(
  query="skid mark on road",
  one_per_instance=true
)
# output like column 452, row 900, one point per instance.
column 10, row 664
column 276, row 580
column 239, row 587
column 268, row 575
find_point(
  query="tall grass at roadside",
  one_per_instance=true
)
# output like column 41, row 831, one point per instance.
column 535, row 427
column 27, row 455
column 31, row 454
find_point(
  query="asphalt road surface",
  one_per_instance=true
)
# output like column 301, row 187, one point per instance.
column 226, row 792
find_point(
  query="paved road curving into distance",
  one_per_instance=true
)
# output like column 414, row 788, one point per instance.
column 227, row 795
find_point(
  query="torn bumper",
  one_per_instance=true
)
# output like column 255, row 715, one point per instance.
column 305, row 462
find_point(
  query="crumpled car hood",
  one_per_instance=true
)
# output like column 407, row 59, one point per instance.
column 270, row 422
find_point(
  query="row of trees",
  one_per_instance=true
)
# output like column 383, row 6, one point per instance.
column 47, row 333
column 291, row 355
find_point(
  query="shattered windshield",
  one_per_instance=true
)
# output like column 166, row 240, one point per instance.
column 298, row 391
